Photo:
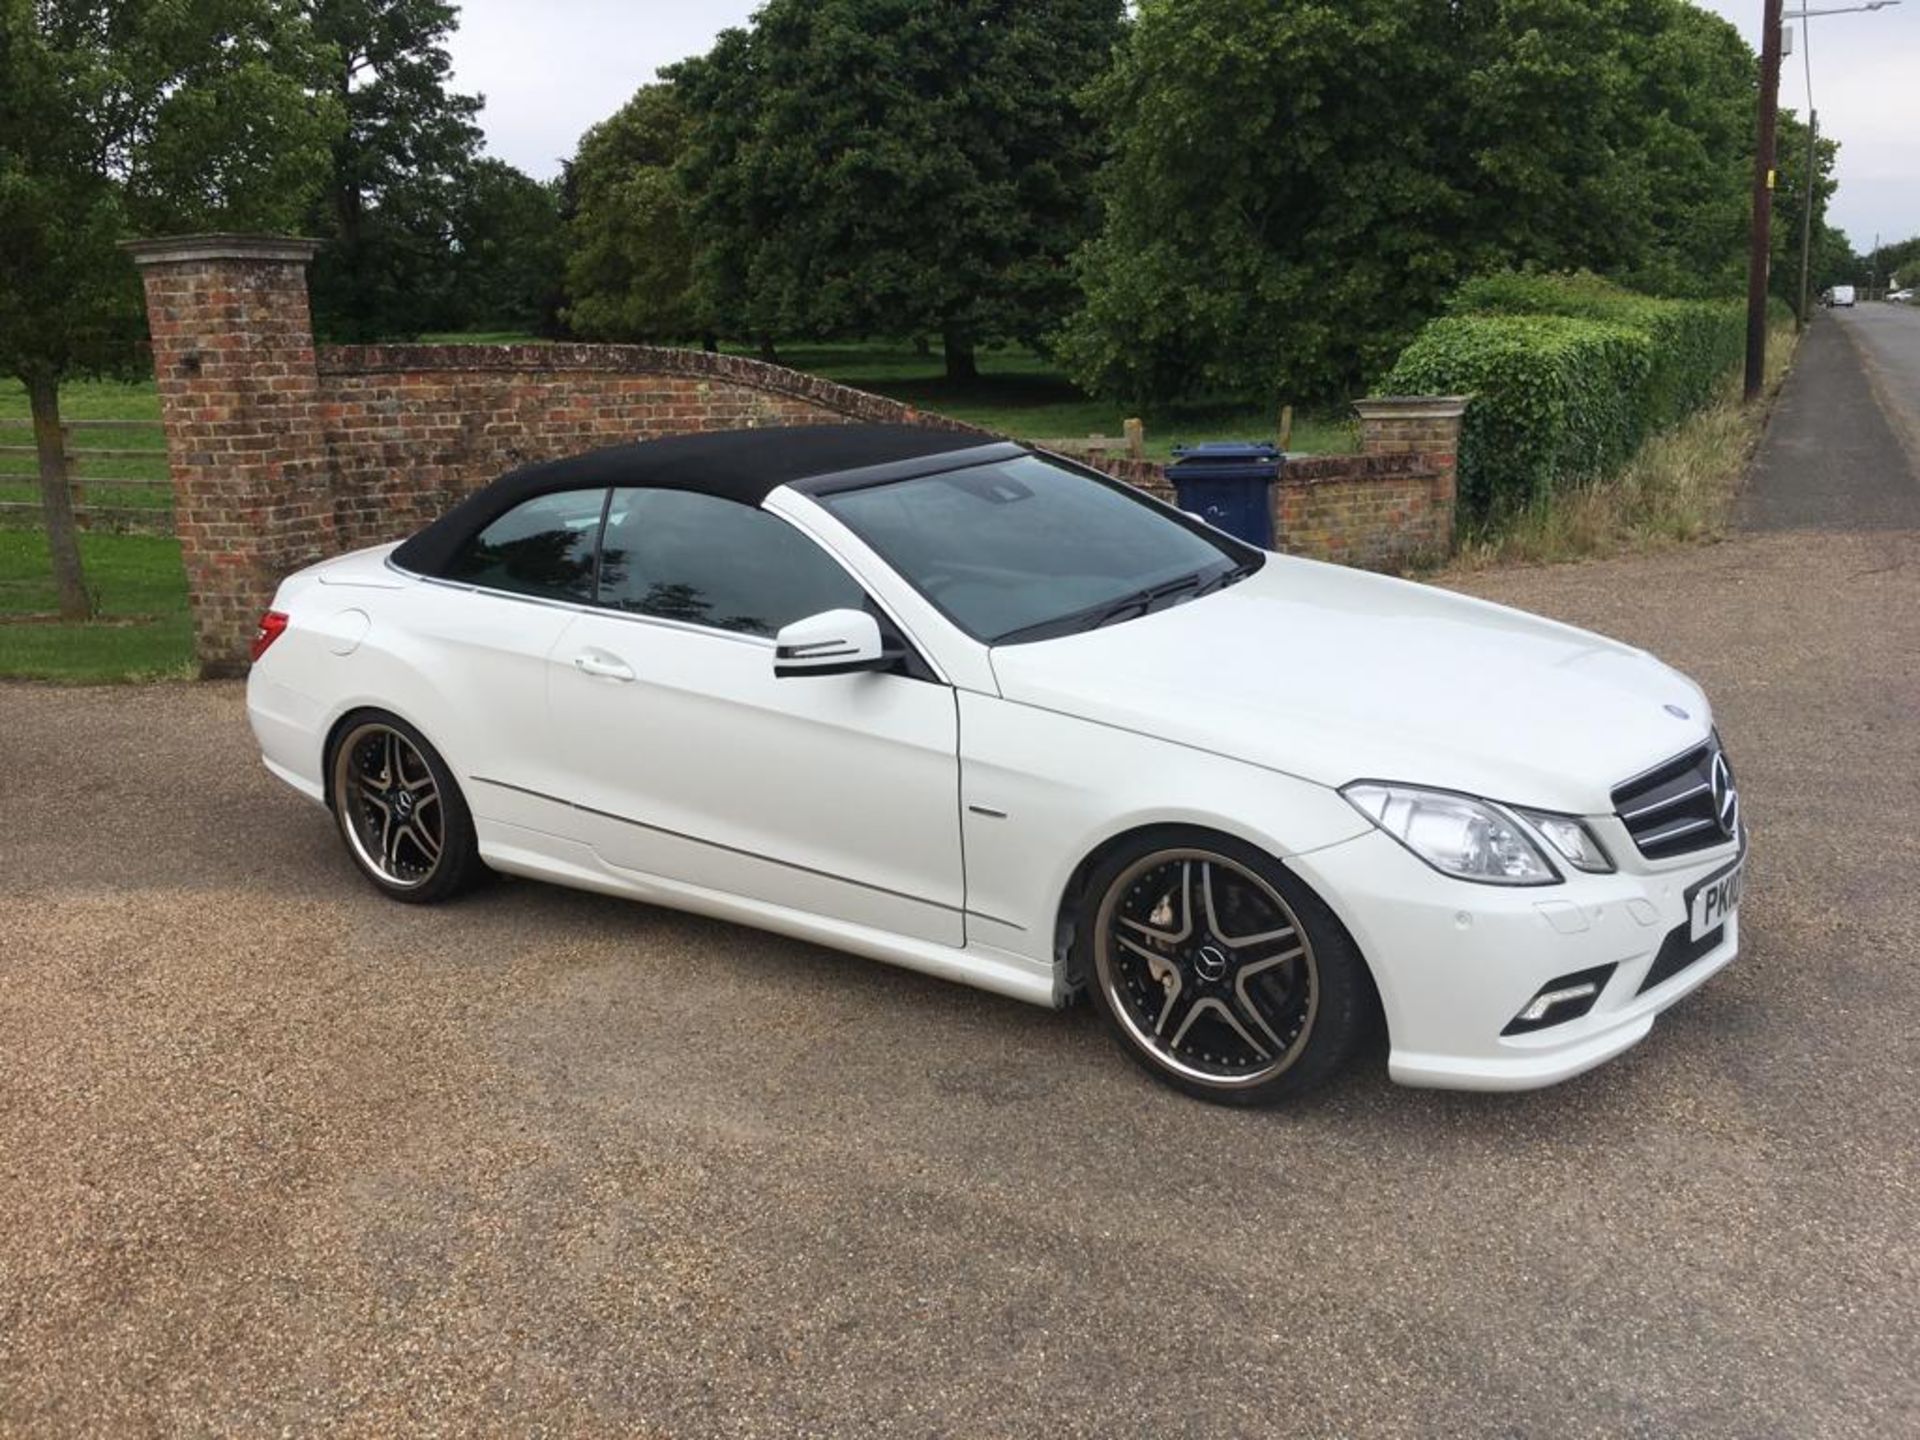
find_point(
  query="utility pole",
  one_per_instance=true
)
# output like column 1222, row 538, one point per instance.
column 1762, row 238
column 1806, row 217
column 1807, row 185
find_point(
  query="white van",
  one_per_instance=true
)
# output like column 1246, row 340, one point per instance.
column 1840, row 295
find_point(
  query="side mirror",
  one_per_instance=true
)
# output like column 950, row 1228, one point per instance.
column 834, row 642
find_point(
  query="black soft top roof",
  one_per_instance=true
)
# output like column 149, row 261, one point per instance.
column 738, row 465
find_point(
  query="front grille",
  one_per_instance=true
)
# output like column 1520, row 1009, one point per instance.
column 1674, row 809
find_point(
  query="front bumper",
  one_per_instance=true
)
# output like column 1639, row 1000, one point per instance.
column 1456, row 962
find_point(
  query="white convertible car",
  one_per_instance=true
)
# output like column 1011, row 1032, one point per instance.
column 980, row 712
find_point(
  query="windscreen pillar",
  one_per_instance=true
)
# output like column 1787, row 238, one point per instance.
column 240, row 401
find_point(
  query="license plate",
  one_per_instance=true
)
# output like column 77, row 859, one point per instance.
column 1711, row 903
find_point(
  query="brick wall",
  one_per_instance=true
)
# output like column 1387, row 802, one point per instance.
column 409, row 429
column 1387, row 508
column 1384, row 512
column 233, row 358
column 282, row 451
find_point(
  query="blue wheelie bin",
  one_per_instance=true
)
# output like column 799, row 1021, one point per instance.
column 1229, row 484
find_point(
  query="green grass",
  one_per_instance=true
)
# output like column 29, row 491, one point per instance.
column 1020, row 394
column 143, row 632
column 91, row 400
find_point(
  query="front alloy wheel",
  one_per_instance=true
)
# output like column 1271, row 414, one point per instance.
column 1219, row 972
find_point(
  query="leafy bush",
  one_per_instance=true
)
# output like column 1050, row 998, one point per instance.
column 1569, row 374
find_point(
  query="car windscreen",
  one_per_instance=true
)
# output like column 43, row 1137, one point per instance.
column 1026, row 548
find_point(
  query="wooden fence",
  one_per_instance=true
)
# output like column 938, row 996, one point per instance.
column 117, row 487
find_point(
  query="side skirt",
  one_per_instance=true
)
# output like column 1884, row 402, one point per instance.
column 538, row 855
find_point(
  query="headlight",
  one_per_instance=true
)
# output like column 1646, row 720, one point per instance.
column 1455, row 834
column 1571, row 838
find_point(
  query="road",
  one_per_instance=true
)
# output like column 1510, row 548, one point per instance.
column 1843, row 451
column 278, row 1155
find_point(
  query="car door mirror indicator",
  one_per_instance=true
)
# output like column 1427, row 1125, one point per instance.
column 834, row 642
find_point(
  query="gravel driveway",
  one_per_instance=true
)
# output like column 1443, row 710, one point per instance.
column 276, row 1154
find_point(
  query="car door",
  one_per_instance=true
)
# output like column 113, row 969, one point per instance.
column 836, row 795
column 479, row 637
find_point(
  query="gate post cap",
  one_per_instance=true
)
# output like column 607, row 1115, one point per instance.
column 1412, row 407
column 220, row 245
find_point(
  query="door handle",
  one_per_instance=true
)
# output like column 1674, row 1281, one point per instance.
column 603, row 666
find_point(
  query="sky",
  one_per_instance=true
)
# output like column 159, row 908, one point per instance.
column 550, row 68
column 1866, row 88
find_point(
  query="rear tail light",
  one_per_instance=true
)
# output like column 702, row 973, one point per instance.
column 272, row 625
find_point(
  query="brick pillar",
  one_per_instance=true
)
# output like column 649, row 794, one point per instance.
column 1424, row 425
column 240, row 400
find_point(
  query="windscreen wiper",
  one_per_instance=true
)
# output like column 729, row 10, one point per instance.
column 1141, row 601
column 1228, row 576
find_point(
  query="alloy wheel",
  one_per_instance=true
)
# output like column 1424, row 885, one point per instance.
column 390, row 805
column 1207, row 968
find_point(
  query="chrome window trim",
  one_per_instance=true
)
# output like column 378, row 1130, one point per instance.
column 583, row 607
column 765, row 642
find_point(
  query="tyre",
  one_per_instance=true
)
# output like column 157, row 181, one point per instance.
column 403, row 818
column 1217, row 970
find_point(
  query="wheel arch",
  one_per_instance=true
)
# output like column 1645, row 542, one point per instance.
column 1070, row 956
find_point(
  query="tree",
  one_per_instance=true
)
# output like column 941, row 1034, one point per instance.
column 1691, row 103
column 399, row 167
column 1296, row 186
column 1900, row 259
column 1286, row 196
column 1789, row 209
column 118, row 119
column 1834, row 261
column 889, row 167
column 629, row 258
column 508, row 246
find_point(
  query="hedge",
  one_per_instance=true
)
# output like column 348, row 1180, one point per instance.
column 1569, row 374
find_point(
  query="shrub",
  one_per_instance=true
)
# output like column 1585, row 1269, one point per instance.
column 1569, row 374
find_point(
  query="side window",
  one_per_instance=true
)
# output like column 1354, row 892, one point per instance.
column 684, row 556
column 540, row 547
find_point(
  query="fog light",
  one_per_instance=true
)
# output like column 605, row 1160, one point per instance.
column 1565, row 998
column 1544, row 1003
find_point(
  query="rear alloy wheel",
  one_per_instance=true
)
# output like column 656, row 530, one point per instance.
column 1218, row 971
column 403, row 817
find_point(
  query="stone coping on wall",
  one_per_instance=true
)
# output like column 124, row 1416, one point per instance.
column 1412, row 407
column 220, row 245
column 559, row 359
